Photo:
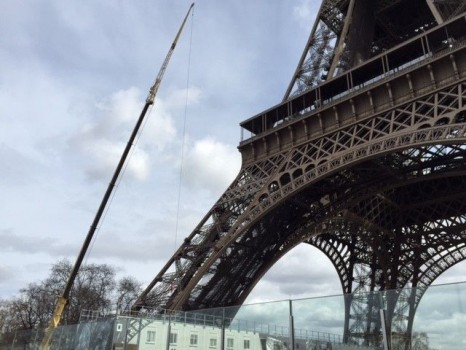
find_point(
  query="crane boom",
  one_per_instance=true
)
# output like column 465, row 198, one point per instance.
column 153, row 90
column 63, row 299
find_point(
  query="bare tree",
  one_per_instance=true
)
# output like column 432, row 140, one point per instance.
column 4, row 312
column 34, row 305
column 128, row 291
column 420, row 341
column 31, row 309
column 94, row 289
column 91, row 290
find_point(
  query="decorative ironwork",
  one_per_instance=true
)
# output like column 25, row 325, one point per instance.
column 369, row 167
column 347, row 32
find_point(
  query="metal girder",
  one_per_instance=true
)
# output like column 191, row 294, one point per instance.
column 443, row 10
column 362, row 254
column 365, row 142
column 347, row 33
column 318, row 52
column 299, row 166
column 373, row 176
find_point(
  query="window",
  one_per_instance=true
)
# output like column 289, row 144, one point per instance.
column 173, row 338
column 193, row 339
column 230, row 343
column 213, row 342
column 150, row 338
column 246, row 344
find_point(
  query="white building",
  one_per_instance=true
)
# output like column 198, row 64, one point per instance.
column 154, row 334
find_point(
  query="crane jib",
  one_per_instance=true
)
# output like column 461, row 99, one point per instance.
column 63, row 299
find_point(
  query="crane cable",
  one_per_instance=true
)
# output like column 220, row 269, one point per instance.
column 117, row 185
column 115, row 180
column 183, row 141
column 133, row 149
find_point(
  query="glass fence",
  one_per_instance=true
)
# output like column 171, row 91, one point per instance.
column 415, row 319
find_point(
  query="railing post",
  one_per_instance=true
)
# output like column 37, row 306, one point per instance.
column 291, row 326
column 222, row 331
column 13, row 342
column 126, row 334
column 385, row 335
column 169, row 329
column 139, row 332
column 35, row 338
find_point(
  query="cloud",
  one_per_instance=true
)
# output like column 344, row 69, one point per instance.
column 210, row 165
column 33, row 244
column 72, row 83
column 440, row 312
column 179, row 98
column 312, row 314
column 5, row 273
column 302, row 272
column 101, row 139
column 32, row 118
column 453, row 274
column 16, row 167
column 303, row 12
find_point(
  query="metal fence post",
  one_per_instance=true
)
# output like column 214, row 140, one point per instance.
column 169, row 332
column 13, row 342
column 139, row 332
column 222, row 334
column 291, row 326
column 385, row 335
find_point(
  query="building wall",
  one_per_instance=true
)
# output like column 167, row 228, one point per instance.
column 184, row 336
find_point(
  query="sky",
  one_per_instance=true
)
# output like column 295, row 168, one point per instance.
column 73, row 79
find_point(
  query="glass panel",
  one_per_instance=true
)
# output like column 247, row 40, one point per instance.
column 441, row 317
column 318, row 323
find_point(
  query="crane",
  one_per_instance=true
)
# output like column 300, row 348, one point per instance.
column 63, row 299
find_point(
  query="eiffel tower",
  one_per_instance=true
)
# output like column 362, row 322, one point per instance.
column 364, row 159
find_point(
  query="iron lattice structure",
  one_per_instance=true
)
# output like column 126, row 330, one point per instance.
column 348, row 32
column 368, row 166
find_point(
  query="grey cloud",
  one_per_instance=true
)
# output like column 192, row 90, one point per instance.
column 12, row 242
column 211, row 165
column 136, row 249
column 114, row 246
column 442, row 312
column 6, row 274
column 305, row 271
column 16, row 167
column 62, row 58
